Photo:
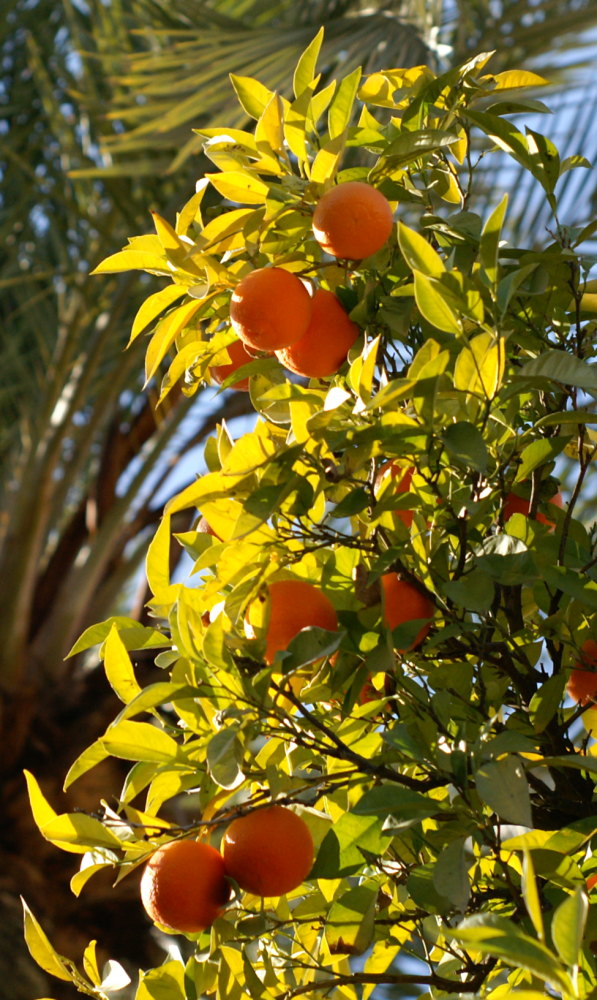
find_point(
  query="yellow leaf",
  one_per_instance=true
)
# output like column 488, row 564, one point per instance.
column 240, row 186
column 153, row 306
column 119, row 669
column 133, row 260
column 166, row 234
column 90, row 963
column 41, row 950
column 191, row 212
column 40, row 807
column 225, row 232
column 157, row 563
column 166, row 333
column 480, row 366
column 81, row 878
column 140, row 741
column 269, row 131
column 210, row 485
column 91, row 756
column 519, row 78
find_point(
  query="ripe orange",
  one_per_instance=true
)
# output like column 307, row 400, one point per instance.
column 239, row 356
column 323, row 347
column 270, row 309
column 516, row 504
column 591, row 881
column 404, row 479
column 352, row 220
column 269, row 851
column 294, row 605
column 582, row 683
column 184, row 887
column 403, row 602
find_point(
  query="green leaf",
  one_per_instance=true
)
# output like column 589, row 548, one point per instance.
column 418, row 252
column 342, row 105
column 433, row 306
column 139, row 741
column 490, row 241
column 558, row 366
column 305, row 67
column 502, row 785
column 491, row 934
column 310, row 645
column 224, row 758
column 546, row 701
column 474, row 591
column 133, row 634
column 400, row 806
column 465, row 445
column 450, row 875
column 538, row 453
column 41, row 950
column 568, row 925
column 350, row 921
column 341, row 851
column 408, row 147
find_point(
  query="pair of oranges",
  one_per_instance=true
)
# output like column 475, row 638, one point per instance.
column 186, row 883
column 272, row 310
column 296, row 604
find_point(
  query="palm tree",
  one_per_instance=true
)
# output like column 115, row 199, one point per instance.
column 87, row 461
column 100, row 103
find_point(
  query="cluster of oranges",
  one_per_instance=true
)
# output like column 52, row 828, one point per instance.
column 274, row 312
column 267, row 852
column 186, row 883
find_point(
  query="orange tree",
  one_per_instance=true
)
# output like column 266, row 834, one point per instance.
column 424, row 735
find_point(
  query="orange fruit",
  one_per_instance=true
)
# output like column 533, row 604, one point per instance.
column 269, row 851
column 403, row 602
column 352, row 220
column 516, row 504
column 184, row 886
column 239, row 356
column 323, row 347
column 402, row 485
column 270, row 309
column 582, row 683
column 294, row 605
column 591, row 881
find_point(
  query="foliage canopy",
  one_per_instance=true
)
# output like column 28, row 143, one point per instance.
column 452, row 805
